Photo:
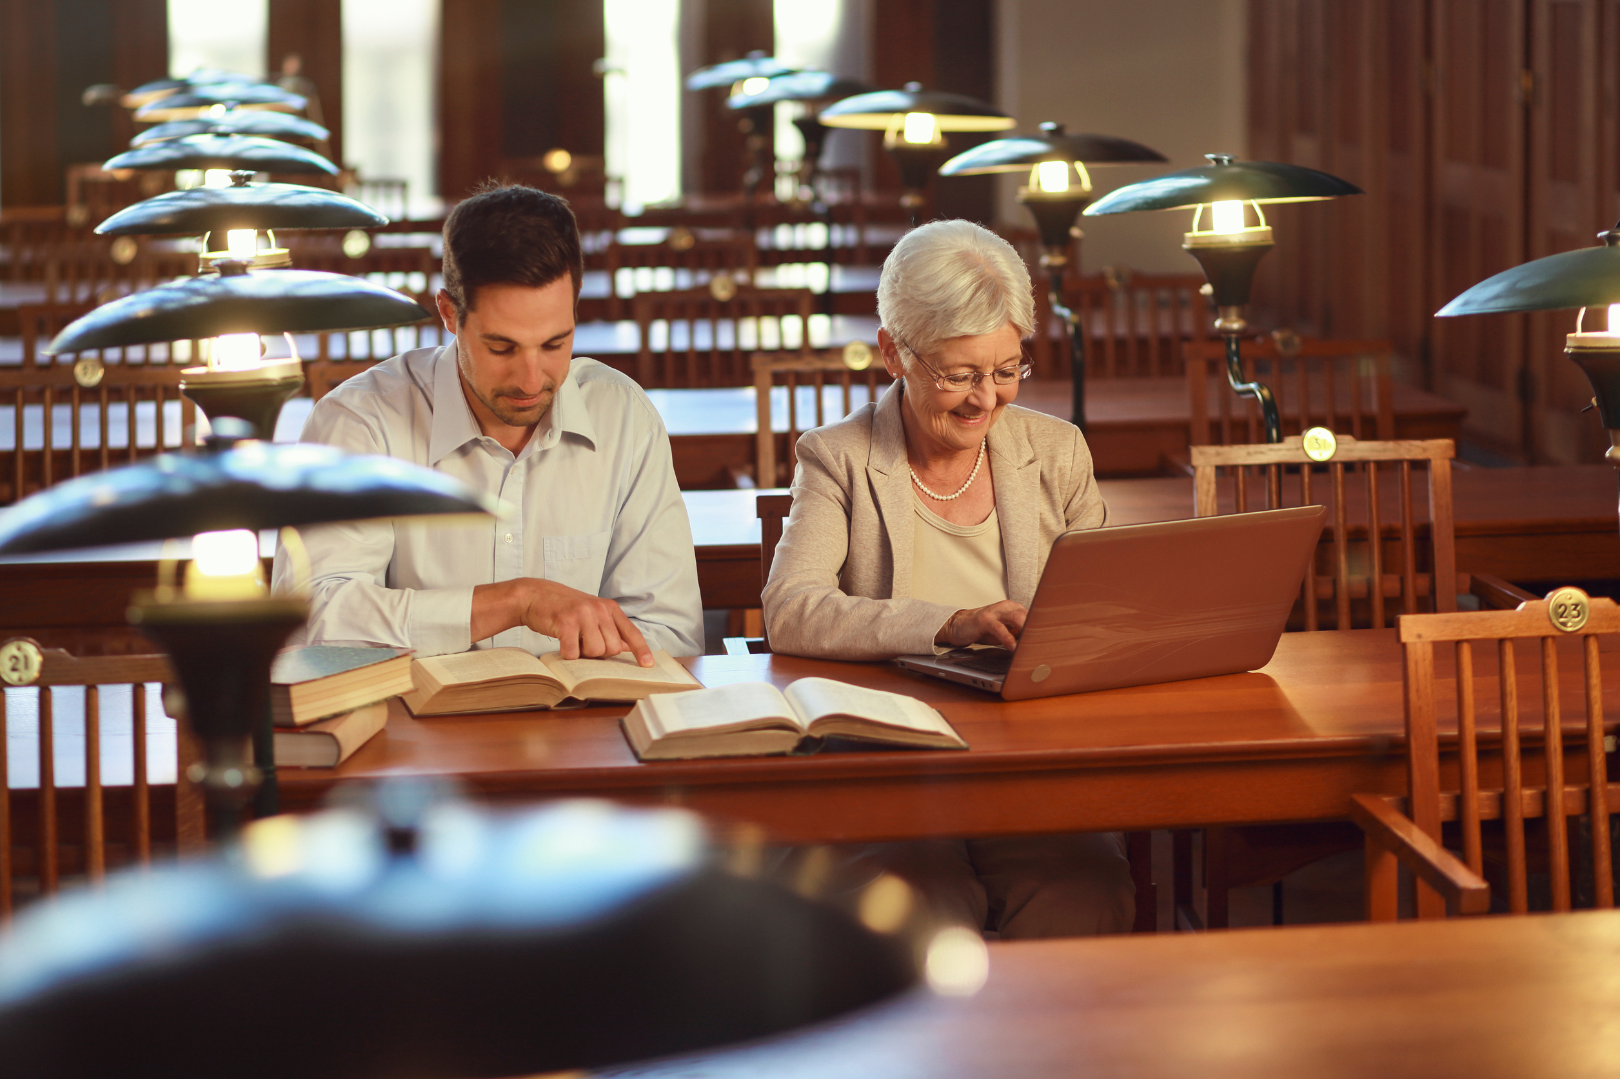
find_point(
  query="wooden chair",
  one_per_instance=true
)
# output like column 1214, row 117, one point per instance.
column 1354, row 583
column 105, row 384
column 816, row 372
column 1319, row 382
column 684, row 261
column 707, row 337
column 1137, row 325
column 1499, row 777
column 342, row 355
column 110, row 825
column 96, row 271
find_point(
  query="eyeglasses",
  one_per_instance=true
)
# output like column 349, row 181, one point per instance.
column 959, row 381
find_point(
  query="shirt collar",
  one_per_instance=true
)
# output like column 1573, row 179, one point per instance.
column 454, row 424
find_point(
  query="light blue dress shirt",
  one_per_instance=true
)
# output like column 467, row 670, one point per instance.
column 590, row 502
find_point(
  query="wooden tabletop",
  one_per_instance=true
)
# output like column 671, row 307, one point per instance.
column 1292, row 741
column 1531, row 995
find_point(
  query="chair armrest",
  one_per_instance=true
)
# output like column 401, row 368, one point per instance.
column 1493, row 592
column 1465, row 892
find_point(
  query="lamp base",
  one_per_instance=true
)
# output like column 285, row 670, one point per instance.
column 1054, row 215
column 222, row 651
column 1229, row 269
column 255, row 395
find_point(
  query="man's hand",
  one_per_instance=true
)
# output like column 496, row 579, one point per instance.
column 584, row 625
column 994, row 624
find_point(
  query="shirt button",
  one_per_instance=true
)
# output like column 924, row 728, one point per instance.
column 508, row 538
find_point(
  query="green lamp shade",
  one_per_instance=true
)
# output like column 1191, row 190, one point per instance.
column 1224, row 181
column 1018, row 153
column 1585, row 278
column 756, row 65
column 255, row 485
column 245, row 152
column 249, row 206
column 883, row 109
column 186, row 103
column 267, row 302
column 800, row 86
column 275, row 125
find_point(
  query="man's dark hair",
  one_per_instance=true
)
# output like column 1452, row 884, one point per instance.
column 509, row 235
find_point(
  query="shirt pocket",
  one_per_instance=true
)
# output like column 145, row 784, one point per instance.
column 577, row 561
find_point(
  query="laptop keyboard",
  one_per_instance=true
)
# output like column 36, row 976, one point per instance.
column 989, row 661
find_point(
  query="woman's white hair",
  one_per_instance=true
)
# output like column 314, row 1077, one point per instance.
column 950, row 279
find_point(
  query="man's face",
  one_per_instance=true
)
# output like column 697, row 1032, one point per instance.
column 513, row 349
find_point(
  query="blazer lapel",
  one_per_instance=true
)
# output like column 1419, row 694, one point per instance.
column 1017, row 474
column 890, row 478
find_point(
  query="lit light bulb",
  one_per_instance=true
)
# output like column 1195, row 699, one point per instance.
column 919, row 127
column 216, row 110
column 1052, row 176
column 1226, row 217
column 557, row 160
column 217, row 178
column 755, row 85
column 242, row 243
column 235, row 352
column 225, row 566
column 1614, row 319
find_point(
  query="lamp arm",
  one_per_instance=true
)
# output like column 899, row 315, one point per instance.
column 1257, row 390
column 1077, row 344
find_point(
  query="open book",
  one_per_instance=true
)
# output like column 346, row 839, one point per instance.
column 501, row 680
column 757, row 718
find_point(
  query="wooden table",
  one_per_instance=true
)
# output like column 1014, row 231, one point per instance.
column 1531, row 995
column 1291, row 742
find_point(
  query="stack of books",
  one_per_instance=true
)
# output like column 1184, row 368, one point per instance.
column 327, row 701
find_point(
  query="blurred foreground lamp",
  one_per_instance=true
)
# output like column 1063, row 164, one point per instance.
column 1059, row 188
column 1229, row 247
column 1585, row 278
column 748, row 76
column 232, row 308
column 221, row 628
column 149, row 92
column 239, row 214
column 914, row 122
column 805, row 87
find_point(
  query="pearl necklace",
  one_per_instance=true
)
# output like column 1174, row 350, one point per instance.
column 959, row 491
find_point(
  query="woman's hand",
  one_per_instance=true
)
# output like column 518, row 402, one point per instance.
column 994, row 624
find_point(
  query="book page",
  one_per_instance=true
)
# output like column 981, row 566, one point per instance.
column 483, row 665
column 620, row 668
column 722, row 708
column 815, row 698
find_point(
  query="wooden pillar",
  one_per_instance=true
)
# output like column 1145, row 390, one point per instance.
column 731, row 30
column 304, row 50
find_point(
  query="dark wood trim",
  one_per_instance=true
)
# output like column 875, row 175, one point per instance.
column 313, row 31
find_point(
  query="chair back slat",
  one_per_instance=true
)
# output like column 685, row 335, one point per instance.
column 772, row 369
column 1342, row 385
column 47, row 793
column 1351, row 569
column 95, row 850
column 1543, row 622
column 5, row 812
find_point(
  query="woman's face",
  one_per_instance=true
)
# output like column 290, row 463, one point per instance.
column 949, row 420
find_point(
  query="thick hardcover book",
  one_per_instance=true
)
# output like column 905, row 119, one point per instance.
column 757, row 718
column 310, row 682
column 331, row 741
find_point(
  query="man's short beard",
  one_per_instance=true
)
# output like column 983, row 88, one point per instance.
column 494, row 403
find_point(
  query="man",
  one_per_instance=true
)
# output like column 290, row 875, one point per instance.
column 592, row 554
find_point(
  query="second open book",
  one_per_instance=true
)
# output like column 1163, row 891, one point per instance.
column 757, row 718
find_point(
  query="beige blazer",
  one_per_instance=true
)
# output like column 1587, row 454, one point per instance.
column 840, row 584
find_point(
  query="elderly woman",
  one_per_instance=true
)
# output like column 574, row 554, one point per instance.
column 923, row 522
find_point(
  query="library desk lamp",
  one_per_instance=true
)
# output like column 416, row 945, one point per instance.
column 1585, row 278
column 210, row 152
column 149, row 92
column 223, row 121
column 914, row 122
column 748, row 75
column 1230, row 248
column 229, row 309
column 198, row 99
column 807, row 88
column 1059, row 188
column 244, row 214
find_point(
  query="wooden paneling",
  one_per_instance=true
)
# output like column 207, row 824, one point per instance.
column 731, row 30
column 469, row 90
column 311, row 30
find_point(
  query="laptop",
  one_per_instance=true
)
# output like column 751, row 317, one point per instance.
column 1139, row 604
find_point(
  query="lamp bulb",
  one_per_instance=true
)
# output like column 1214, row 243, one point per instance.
column 1226, row 217
column 242, row 243
column 236, row 352
column 217, row 178
column 228, row 553
column 919, row 128
column 755, row 85
column 1051, row 176
column 1614, row 318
